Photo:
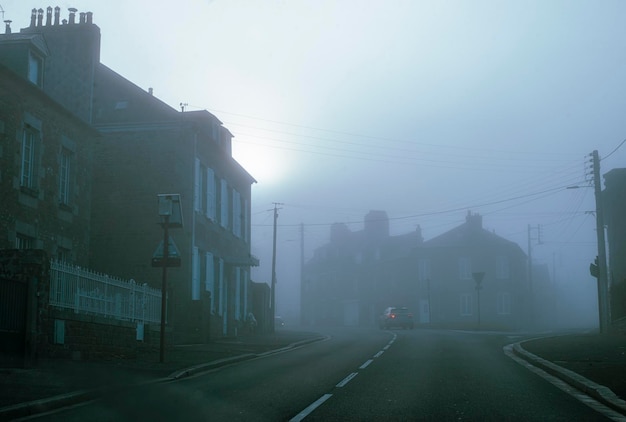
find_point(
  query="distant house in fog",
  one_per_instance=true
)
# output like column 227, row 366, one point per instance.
column 446, row 267
column 344, row 283
column 354, row 277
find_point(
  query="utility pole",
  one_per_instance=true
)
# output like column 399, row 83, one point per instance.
column 531, row 293
column 301, row 271
column 603, row 302
column 273, row 294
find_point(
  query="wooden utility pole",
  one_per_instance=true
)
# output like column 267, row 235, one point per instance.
column 273, row 293
column 603, row 291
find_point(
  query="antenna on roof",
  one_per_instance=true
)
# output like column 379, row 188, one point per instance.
column 2, row 11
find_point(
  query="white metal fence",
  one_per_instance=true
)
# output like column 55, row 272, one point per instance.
column 88, row 292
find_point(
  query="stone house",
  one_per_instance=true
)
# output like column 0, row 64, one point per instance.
column 100, row 149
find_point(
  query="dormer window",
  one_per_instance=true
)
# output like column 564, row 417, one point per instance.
column 35, row 69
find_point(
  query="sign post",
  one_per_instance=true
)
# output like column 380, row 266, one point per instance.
column 171, row 214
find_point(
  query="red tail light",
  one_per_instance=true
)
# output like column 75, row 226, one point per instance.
column 393, row 316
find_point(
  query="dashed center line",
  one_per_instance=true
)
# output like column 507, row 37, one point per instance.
column 347, row 379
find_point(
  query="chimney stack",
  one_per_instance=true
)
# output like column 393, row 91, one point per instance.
column 73, row 11
column 82, row 17
column 49, row 16
column 40, row 17
column 57, row 14
column 33, row 18
column 89, row 18
column 7, row 28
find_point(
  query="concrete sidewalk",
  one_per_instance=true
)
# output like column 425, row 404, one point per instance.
column 57, row 383
column 592, row 363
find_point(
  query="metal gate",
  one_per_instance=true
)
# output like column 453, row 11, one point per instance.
column 13, row 303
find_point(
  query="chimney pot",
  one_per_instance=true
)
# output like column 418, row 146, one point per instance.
column 73, row 11
column 150, row 91
column 33, row 18
column 49, row 16
column 57, row 14
column 40, row 17
column 82, row 17
column 7, row 28
column 89, row 18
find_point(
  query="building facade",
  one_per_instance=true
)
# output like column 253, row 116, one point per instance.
column 614, row 197
column 354, row 277
column 46, row 156
column 85, row 153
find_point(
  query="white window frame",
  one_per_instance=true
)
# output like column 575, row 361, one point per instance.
column 65, row 171
column 224, row 196
column 30, row 146
column 196, row 186
column 237, row 213
column 222, row 293
column 209, row 278
column 211, row 195
column 195, row 274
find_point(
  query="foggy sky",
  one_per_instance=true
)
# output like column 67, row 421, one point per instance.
column 423, row 109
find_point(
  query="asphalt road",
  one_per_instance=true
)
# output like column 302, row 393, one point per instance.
column 358, row 374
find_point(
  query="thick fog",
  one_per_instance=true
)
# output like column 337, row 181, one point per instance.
column 423, row 109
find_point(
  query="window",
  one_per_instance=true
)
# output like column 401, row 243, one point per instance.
column 465, row 268
column 24, row 242
column 196, row 186
column 237, row 217
column 195, row 274
column 65, row 168
column 466, row 304
column 503, row 269
column 209, row 279
column 30, row 145
column 224, row 203
column 504, row 304
column 211, row 195
column 35, row 69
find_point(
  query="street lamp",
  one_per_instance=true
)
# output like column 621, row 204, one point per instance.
column 170, row 213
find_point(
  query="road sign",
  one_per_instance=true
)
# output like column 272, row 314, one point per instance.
column 173, row 255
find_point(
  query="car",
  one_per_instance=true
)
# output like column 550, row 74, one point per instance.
column 396, row 317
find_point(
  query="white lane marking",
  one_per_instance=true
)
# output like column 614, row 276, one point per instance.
column 347, row 379
column 366, row 364
column 377, row 355
column 386, row 347
column 306, row 412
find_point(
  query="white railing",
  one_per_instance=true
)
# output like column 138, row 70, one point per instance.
column 88, row 292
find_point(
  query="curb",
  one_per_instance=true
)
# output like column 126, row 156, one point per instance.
column 599, row 392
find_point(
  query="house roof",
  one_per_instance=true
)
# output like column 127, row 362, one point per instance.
column 470, row 233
